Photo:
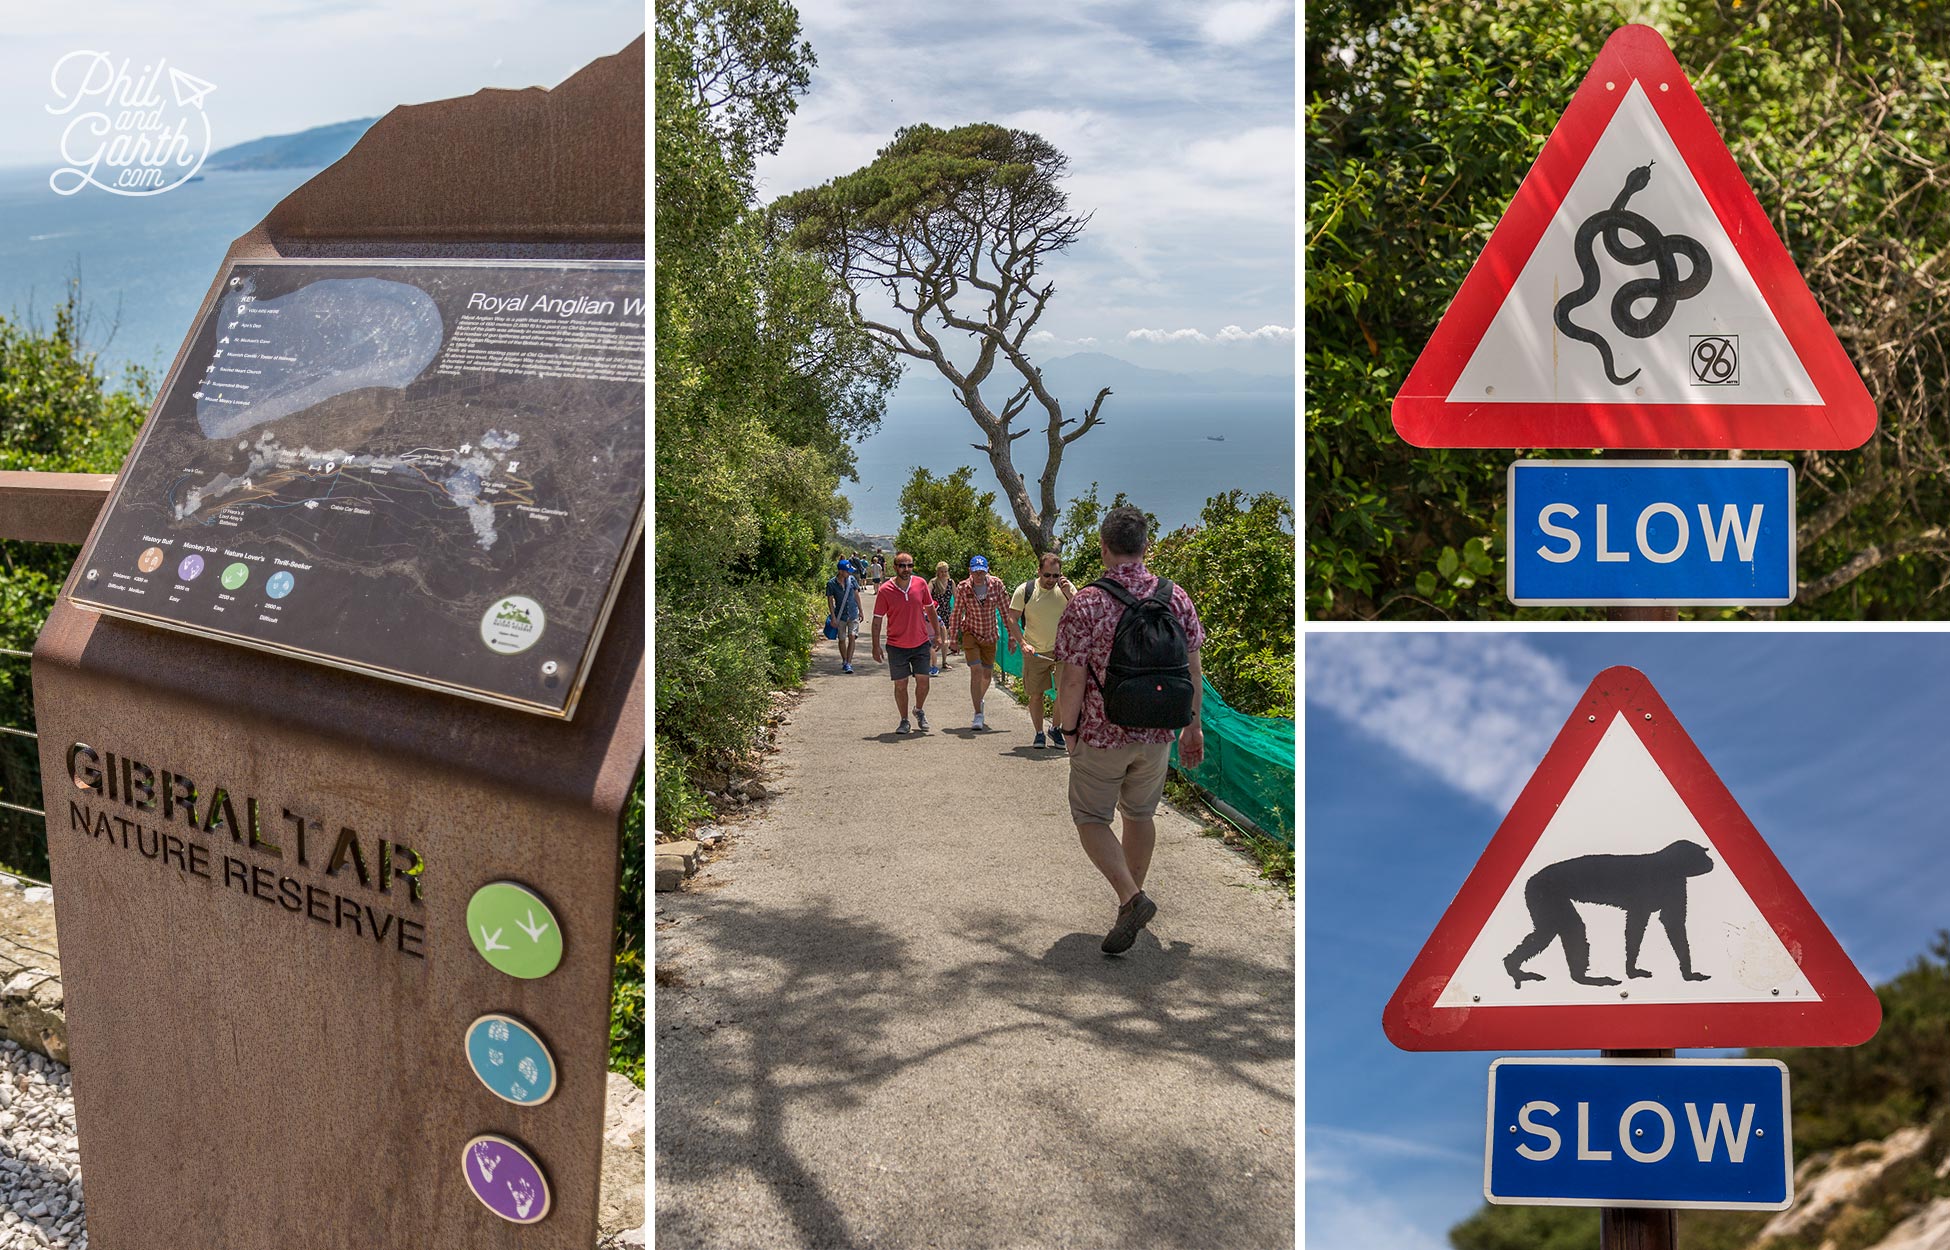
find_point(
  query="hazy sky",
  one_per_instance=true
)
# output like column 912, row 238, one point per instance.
column 1179, row 124
column 1416, row 744
column 285, row 65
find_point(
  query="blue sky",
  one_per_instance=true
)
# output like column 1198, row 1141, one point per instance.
column 1415, row 746
column 285, row 65
column 1179, row 124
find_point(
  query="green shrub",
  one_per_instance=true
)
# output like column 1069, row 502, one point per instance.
column 681, row 803
column 1237, row 564
column 58, row 415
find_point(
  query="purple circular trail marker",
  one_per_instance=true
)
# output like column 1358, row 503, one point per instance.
column 505, row 1179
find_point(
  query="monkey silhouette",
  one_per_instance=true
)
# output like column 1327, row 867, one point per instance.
column 1637, row 884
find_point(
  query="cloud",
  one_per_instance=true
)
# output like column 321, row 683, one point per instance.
column 1342, row 1142
column 1348, row 1210
column 1181, row 146
column 1230, row 334
column 1476, row 712
column 1359, row 1217
column 1265, row 334
column 1242, row 21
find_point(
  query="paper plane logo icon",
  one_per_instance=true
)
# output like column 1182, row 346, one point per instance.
column 189, row 89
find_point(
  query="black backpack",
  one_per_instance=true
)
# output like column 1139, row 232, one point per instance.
column 1148, row 684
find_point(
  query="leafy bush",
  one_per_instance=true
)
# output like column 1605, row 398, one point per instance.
column 58, row 415
column 626, row 979
column 1423, row 117
column 763, row 381
column 1237, row 564
column 946, row 518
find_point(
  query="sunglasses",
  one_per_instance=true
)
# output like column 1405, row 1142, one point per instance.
column 899, row 565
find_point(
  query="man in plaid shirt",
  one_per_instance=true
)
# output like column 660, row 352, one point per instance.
column 1115, row 769
column 974, row 622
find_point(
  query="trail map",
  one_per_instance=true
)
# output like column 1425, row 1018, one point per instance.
column 431, row 471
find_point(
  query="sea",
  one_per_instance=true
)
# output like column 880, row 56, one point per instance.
column 1169, row 441
column 143, row 263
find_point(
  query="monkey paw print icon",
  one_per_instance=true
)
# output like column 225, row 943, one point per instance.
column 1550, row 943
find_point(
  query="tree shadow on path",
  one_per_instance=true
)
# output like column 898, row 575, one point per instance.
column 805, row 1013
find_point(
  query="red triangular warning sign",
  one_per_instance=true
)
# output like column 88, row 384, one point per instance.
column 1627, row 902
column 1634, row 295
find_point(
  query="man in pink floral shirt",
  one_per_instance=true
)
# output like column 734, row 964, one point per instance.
column 1113, row 768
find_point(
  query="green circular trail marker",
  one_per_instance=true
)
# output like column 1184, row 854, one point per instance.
column 236, row 575
column 514, row 930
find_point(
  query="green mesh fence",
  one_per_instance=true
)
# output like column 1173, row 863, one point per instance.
column 1248, row 764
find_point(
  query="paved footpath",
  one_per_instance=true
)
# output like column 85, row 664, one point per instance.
column 883, row 1019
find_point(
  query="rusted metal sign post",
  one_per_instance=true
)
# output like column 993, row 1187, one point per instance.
column 334, row 821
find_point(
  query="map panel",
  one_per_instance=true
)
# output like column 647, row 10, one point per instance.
column 430, row 471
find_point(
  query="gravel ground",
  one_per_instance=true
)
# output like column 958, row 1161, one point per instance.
column 40, row 1164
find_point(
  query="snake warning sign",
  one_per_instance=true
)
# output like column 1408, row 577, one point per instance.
column 1634, row 295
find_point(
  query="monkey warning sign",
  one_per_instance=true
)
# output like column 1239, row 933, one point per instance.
column 1627, row 902
column 1634, row 295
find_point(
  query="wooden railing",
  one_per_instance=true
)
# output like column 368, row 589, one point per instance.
column 46, row 508
column 51, row 507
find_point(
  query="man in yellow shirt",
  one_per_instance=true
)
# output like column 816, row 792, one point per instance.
column 1033, row 613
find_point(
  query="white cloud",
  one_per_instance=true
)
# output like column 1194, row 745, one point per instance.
column 1476, row 711
column 1265, row 334
column 1242, row 21
column 1229, row 334
column 1343, row 1217
column 1344, row 1142
column 1181, row 147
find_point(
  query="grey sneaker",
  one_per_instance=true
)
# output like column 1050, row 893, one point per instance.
column 1131, row 917
column 903, row 729
column 920, row 720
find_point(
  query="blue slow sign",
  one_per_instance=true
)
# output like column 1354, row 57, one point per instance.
column 1651, row 533
column 1707, row 1133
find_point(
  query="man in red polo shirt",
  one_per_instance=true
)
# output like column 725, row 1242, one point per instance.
column 1114, row 768
column 904, row 605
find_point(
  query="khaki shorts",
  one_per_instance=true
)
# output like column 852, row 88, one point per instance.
column 1128, row 779
column 1040, row 672
column 980, row 654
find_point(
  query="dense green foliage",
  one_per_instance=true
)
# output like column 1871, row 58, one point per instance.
column 1847, row 1094
column 1237, row 562
column 946, row 518
column 626, row 1015
column 58, row 415
column 1843, row 1095
column 1423, row 117
column 762, row 382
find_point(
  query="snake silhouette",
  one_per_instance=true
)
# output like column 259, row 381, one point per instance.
column 1654, row 247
